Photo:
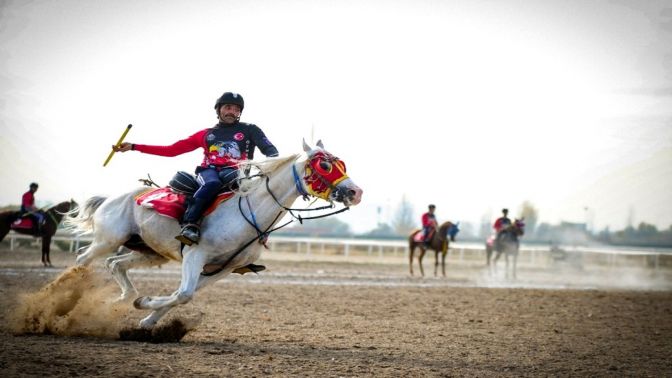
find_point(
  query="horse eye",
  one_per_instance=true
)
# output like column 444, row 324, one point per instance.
column 325, row 165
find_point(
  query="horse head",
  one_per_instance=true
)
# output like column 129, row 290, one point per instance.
column 449, row 230
column 325, row 177
column 519, row 226
column 64, row 207
column 453, row 230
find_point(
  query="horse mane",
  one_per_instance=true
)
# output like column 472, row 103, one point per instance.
column 264, row 168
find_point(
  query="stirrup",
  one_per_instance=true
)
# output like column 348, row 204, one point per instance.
column 190, row 234
column 249, row 268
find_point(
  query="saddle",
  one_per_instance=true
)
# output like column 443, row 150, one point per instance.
column 171, row 201
column 25, row 222
column 421, row 237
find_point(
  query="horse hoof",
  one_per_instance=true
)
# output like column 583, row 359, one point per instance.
column 138, row 303
column 146, row 324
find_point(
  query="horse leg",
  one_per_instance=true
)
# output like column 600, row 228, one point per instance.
column 498, row 254
column 506, row 258
column 443, row 262
column 119, row 266
column 420, row 256
column 410, row 258
column 515, row 261
column 150, row 320
column 46, row 243
column 99, row 247
column 436, row 263
column 192, row 265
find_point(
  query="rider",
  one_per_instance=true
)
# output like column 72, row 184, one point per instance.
column 501, row 224
column 224, row 145
column 28, row 206
column 428, row 224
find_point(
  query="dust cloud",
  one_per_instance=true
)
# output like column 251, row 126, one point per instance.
column 77, row 303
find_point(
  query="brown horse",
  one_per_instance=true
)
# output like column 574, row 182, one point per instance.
column 439, row 243
column 53, row 217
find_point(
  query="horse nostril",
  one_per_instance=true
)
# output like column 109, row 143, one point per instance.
column 351, row 192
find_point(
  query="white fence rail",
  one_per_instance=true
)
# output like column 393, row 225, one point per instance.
column 462, row 252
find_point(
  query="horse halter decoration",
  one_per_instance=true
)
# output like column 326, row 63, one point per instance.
column 323, row 172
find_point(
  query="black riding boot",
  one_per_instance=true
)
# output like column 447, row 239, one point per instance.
column 191, row 231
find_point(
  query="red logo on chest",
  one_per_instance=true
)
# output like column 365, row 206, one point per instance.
column 238, row 136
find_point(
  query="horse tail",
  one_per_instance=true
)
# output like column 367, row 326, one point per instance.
column 80, row 220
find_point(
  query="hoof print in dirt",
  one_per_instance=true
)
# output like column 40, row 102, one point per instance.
column 172, row 332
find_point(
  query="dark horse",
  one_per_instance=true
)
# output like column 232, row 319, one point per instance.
column 53, row 217
column 508, row 244
column 439, row 243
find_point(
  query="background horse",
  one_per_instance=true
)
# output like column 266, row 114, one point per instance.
column 508, row 244
column 231, row 234
column 53, row 217
column 439, row 243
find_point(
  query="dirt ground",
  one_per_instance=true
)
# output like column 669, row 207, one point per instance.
column 319, row 318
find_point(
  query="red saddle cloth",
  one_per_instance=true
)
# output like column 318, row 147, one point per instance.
column 171, row 204
column 23, row 223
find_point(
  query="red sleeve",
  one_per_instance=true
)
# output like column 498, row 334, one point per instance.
column 498, row 224
column 178, row 148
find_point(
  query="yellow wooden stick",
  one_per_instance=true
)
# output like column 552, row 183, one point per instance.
column 128, row 128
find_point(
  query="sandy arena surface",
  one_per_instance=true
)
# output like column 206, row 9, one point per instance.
column 335, row 319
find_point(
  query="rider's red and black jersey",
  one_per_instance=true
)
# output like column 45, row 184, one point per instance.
column 501, row 223
column 27, row 201
column 223, row 145
column 428, row 220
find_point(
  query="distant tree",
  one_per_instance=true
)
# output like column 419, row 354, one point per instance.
column 404, row 219
column 531, row 215
column 646, row 230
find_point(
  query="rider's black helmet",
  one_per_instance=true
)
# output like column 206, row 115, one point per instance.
column 432, row 206
column 505, row 210
column 33, row 185
column 230, row 98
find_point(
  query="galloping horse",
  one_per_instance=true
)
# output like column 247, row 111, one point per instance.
column 508, row 244
column 439, row 243
column 231, row 234
column 53, row 217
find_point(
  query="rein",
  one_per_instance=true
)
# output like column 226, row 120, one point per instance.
column 299, row 217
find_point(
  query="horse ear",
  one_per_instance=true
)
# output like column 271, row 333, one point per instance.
column 319, row 144
column 306, row 147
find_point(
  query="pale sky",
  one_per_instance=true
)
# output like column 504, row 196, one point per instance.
column 471, row 105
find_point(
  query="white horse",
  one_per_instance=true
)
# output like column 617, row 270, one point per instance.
column 229, row 234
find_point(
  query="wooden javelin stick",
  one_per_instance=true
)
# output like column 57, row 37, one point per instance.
column 128, row 128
